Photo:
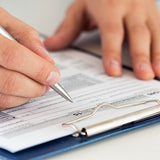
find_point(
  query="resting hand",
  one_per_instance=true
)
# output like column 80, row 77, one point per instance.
column 139, row 19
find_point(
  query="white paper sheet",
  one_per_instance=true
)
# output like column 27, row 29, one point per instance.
column 83, row 76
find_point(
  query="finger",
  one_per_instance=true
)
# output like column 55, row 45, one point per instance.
column 11, row 101
column 139, row 41
column 16, row 57
column 154, row 26
column 69, row 30
column 112, row 33
column 24, row 34
column 16, row 84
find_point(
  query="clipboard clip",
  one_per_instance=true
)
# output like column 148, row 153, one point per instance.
column 113, row 123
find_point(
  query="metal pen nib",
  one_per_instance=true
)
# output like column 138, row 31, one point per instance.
column 61, row 91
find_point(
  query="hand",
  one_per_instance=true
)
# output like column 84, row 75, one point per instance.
column 26, row 69
column 138, row 18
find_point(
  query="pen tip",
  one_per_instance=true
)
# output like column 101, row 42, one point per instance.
column 61, row 91
column 70, row 100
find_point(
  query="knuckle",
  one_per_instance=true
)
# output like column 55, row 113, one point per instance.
column 43, row 72
column 139, row 28
column 9, row 57
column 112, row 27
column 110, row 52
column 33, row 32
column 30, row 33
column 10, row 85
column 140, row 56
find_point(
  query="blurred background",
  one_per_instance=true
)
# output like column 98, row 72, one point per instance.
column 44, row 15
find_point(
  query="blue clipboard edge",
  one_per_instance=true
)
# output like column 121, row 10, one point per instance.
column 67, row 143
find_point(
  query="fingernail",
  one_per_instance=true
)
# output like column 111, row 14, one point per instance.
column 46, row 90
column 53, row 78
column 115, row 64
column 113, row 67
column 144, row 71
column 145, row 67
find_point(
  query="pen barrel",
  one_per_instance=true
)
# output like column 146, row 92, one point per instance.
column 5, row 33
column 120, row 121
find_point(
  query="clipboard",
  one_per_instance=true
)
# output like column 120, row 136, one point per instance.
column 90, row 134
column 70, row 142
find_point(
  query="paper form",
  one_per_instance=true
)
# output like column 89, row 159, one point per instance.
column 40, row 120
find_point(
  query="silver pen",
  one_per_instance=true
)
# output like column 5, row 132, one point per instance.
column 57, row 87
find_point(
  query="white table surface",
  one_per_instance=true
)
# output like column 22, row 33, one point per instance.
column 141, row 144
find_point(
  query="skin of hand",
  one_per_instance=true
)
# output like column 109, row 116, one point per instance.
column 137, row 20
column 26, row 69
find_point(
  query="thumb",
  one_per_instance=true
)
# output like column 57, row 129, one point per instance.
column 68, row 31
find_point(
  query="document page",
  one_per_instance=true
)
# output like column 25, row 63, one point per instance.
column 82, row 75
